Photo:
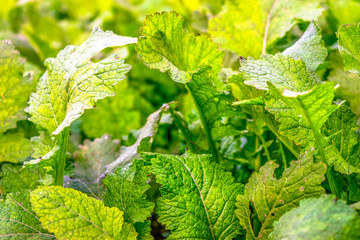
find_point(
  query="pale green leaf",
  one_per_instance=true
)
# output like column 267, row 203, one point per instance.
column 198, row 197
column 15, row 88
column 282, row 71
column 70, row 214
column 125, row 189
column 14, row 147
column 349, row 46
column 165, row 45
column 15, row 178
column 310, row 48
column 318, row 219
column 248, row 28
column 18, row 221
column 72, row 83
column 272, row 197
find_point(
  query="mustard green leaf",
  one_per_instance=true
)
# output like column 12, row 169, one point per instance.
column 70, row 214
column 316, row 219
column 15, row 178
column 302, row 114
column 310, row 47
column 18, row 221
column 272, row 197
column 249, row 28
column 144, row 230
column 282, row 71
column 15, row 88
column 72, row 83
column 93, row 156
column 166, row 46
column 14, row 147
column 197, row 197
column 341, row 130
column 143, row 142
column 125, row 190
column 349, row 41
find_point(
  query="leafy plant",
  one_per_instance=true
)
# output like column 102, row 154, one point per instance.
column 246, row 132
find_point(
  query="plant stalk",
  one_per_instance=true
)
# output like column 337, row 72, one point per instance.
column 61, row 157
column 207, row 130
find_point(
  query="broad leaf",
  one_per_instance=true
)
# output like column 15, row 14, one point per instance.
column 72, row 83
column 125, row 189
column 70, row 214
column 198, row 197
column 15, row 178
column 165, row 45
column 310, row 48
column 15, row 88
column 317, row 219
column 349, row 46
column 248, row 28
column 18, row 221
column 14, row 147
column 282, row 71
column 272, row 197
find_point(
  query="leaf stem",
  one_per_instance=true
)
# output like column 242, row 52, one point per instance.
column 257, row 159
column 61, row 157
column 207, row 130
column 183, row 128
column 283, row 157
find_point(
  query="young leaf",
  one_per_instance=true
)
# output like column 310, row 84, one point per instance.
column 349, row 41
column 125, row 190
column 272, row 197
column 15, row 88
column 90, row 162
column 282, row 71
column 198, row 197
column 317, row 219
column 18, row 221
column 72, row 83
column 249, row 28
column 165, row 45
column 70, row 214
column 310, row 48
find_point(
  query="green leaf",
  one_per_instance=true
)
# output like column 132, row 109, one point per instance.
column 144, row 230
column 302, row 114
column 198, row 197
column 70, row 214
column 349, row 41
column 317, row 219
column 341, row 128
column 72, row 83
column 282, row 71
column 18, row 221
column 143, row 142
column 272, row 197
column 90, row 162
column 15, row 88
column 15, row 178
column 14, row 147
column 249, row 28
column 125, row 190
column 165, row 45
column 310, row 48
